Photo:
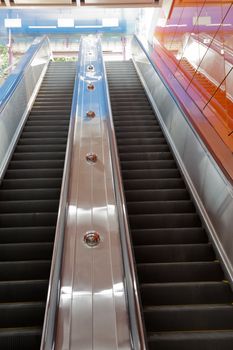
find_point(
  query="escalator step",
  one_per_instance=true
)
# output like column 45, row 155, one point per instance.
column 28, row 219
column 151, row 174
column 156, row 207
column 203, row 340
column 53, row 111
column 164, row 220
column 180, row 272
column 127, row 114
column 142, row 141
column 142, row 148
column 128, row 129
column 126, row 117
column 139, row 104
column 40, row 148
column 185, row 293
column 158, row 194
column 188, row 317
column 173, row 253
column 37, row 141
column 53, row 94
column 29, row 206
column 38, row 155
column 140, row 135
column 148, row 164
column 169, row 236
column 36, row 164
column 47, row 128
column 49, row 116
column 20, row 291
column 25, row 338
column 131, row 99
column 29, row 194
column 142, row 156
column 63, row 104
column 33, row 173
column 31, row 183
column 134, row 184
column 11, row 314
column 56, row 98
column 136, row 85
column 24, row 270
column 26, row 251
column 40, row 134
column 27, row 234
column 47, row 122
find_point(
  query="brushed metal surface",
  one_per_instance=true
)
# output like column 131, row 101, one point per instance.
column 209, row 186
column 92, row 312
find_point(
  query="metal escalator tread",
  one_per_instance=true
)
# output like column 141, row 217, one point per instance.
column 29, row 199
column 186, row 300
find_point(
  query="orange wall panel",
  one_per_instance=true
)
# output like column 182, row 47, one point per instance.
column 196, row 42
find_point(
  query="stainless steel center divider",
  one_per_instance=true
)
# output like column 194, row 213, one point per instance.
column 92, row 312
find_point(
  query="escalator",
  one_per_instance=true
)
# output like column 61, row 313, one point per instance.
column 185, row 298
column 29, row 199
column 211, row 93
column 201, row 80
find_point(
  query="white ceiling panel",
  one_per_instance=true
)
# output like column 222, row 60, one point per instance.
column 78, row 3
column 43, row 2
column 119, row 2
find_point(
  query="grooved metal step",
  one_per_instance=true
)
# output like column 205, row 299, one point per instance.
column 186, row 293
column 203, row 340
column 180, row 271
column 189, row 317
column 186, row 301
column 29, row 200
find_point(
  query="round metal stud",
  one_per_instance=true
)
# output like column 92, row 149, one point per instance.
column 91, row 158
column 90, row 87
column 90, row 68
column 90, row 114
column 92, row 238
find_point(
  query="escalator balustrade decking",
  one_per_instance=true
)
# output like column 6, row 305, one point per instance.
column 29, row 199
column 186, row 302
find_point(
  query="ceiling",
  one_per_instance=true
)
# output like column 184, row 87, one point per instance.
column 70, row 20
column 119, row 3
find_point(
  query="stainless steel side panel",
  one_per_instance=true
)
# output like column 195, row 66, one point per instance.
column 209, row 186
